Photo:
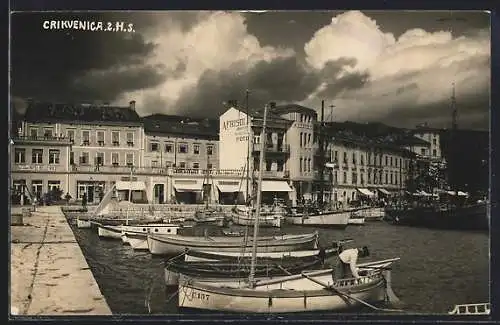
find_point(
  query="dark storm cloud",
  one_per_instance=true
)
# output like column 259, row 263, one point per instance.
column 107, row 85
column 45, row 62
column 335, row 81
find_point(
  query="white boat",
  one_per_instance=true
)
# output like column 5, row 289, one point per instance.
column 83, row 223
column 311, row 291
column 356, row 220
column 175, row 244
column 305, row 292
column 337, row 219
column 471, row 309
column 370, row 213
column 136, row 236
column 109, row 231
column 243, row 216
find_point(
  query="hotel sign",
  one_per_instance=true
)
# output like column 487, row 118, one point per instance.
column 234, row 123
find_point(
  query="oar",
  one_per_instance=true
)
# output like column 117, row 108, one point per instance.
column 328, row 287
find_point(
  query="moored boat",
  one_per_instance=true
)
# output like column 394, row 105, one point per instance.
column 336, row 219
column 157, row 228
column 175, row 244
column 239, row 269
column 356, row 220
column 370, row 213
column 243, row 216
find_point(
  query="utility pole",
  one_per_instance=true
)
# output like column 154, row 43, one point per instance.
column 321, row 154
column 249, row 143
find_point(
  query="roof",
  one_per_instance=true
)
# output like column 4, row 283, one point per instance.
column 102, row 114
column 292, row 108
column 202, row 128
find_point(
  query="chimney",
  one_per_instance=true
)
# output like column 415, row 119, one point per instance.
column 132, row 105
column 232, row 103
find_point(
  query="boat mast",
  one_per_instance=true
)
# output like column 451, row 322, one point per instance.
column 259, row 198
column 250, row 138
column 129, row 193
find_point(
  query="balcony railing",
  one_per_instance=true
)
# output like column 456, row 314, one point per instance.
column 42, row 168
column 116, row 169
column 273, row 148
column 42, row 139
column 273, row 174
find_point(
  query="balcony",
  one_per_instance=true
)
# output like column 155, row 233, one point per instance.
column 272, row 174
column 211, row 172
column 38, row 168
column 116, row 169
column 42, row 140
column 273, row 148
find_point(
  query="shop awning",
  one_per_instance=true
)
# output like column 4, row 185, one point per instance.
column 134, row 186
column 460, row 193
column 188, row 186
column 275, row 186
column 384, row 191
column 229, row 188
column 366, row 192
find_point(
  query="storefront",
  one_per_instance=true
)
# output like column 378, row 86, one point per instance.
column 188, row 191
column 230, row 192
column 275, row 190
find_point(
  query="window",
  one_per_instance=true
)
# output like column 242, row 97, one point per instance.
column 115, row 158
column 37, row 187
column 182, row 164
column 336, row 156
column 336, row 177
column 354, row 178
column 280, row 165
column 345, row 157
column 391, row 178
column 309, row 165
column 84, row 158
column 256, row 139
column 100, row 138
column 390, row 161
column 344, row 180
column 396, row 178
column 434, row 141
column 210, row 149
column 387, row 160
column 154, row 146
column 37, row 156
column 54, row 185
column 169, row 147
column 209, row 166
column 85, row 138
column 300, row 165
column 71, row 135
column 434, row 152
column 72, row 158
column 361, row 159
column 99, row 159
column 196, row 165
column 301, row 137
column 20, row 156
column 268, row 165
column 183, row 148
column 369, row 176
column 386, row 178
column 196, row 149
column 130, row 139
column 115, row 137
column 130, row 159
column 154, row 163
column 362, row 179
column 309, row 139
column 54, row 156
column 354, row 158
column 422, row 151
column 34, row 133
column 47, row 133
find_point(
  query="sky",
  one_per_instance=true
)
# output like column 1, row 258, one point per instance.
column 394, row 67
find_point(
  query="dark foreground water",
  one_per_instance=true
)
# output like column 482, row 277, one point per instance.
column 438, row 268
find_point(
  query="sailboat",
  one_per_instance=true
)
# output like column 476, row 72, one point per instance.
column 306, row 291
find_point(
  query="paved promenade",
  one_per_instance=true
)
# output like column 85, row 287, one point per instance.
column 49, row 274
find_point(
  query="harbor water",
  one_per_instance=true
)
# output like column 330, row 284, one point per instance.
column 438, row 268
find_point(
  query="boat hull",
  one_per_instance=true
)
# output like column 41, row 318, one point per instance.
column 83, row 224
column 328, row 219
column 371, row 213
column 172, row 245
column 111, row 232
column 206, row 256
column 264, row 221
column 300, row 295
column 465, row 218
column 356, row 221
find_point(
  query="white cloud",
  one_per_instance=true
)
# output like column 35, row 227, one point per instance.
column 408, row 74
column 215, row 42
